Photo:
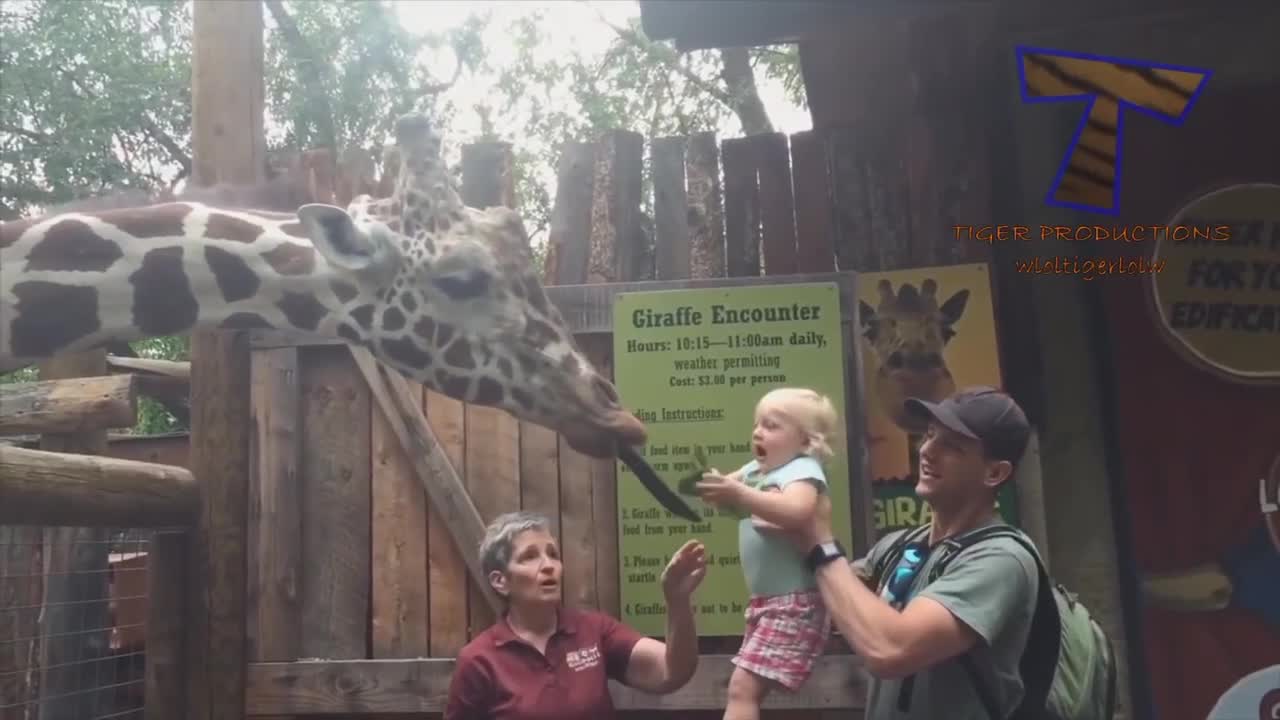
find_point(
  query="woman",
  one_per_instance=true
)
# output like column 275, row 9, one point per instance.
column 541, row 660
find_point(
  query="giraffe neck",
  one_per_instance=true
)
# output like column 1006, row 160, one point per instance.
column 77, row 281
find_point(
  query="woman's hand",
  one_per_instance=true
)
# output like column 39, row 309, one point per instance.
column 684, row 572
column 720, row 490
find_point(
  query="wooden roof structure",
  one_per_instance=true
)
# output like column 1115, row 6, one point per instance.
column 707, row 24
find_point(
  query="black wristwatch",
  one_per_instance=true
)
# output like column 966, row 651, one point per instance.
column 823, row 553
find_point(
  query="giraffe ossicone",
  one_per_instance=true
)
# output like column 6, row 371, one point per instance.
column 446, row 294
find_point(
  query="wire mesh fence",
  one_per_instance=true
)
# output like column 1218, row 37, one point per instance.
column 73, row 609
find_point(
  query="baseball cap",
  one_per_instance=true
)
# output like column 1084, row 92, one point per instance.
column 982, row 413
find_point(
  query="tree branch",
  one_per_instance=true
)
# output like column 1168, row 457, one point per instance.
column 29, row 134
column 308, row 71
column 742, row 96
column 741, row 80
column 667, row 57
column 148, row 125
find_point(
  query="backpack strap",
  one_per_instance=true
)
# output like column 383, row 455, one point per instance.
column 890, row 558
column 1045, row 632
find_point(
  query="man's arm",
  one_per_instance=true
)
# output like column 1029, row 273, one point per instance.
column 893, row 644
column 982, row 590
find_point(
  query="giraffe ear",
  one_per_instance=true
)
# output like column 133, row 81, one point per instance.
column 345, row 245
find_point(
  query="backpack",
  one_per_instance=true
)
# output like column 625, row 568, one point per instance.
column 1068, row 666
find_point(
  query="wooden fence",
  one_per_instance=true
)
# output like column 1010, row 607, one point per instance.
column 349, row 561
column 76, row 617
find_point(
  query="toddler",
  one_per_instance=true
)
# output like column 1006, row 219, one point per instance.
column 786, row 623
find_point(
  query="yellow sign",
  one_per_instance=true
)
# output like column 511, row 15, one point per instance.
column 925, row 332
column 693, row 364
column 1219, row 300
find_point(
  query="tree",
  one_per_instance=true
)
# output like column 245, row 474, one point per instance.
column 95, row 97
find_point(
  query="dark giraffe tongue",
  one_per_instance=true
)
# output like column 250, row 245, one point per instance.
column 658, row 489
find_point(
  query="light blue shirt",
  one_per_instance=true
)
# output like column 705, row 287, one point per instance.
column 771, row 564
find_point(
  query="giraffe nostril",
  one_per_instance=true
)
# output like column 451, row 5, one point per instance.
column 605, row 390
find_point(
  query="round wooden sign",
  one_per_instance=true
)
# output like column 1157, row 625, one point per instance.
column 1218, row 301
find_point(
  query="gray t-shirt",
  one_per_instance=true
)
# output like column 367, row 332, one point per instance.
column 991, row 587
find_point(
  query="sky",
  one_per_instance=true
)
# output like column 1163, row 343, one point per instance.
column 576, row 25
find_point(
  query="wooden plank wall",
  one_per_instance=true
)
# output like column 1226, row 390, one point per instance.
column 347, row 558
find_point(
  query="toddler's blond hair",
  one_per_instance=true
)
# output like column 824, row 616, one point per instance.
column 811, row 411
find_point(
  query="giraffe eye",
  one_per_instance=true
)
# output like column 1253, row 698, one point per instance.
column 464, row 285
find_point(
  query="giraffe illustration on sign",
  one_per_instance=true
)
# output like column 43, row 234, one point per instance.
column 444, row 293
column 908, row 332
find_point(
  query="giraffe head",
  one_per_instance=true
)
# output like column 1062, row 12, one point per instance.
column 908, row 332
column 448, row 295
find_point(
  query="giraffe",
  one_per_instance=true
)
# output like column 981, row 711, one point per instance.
column 908, row 332
column 444, row 293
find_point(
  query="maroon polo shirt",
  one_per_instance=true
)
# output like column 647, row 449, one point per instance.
column 499, row 676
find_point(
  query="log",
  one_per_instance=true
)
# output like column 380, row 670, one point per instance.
column 66, row 406
column 411, row 688
column 48, row 488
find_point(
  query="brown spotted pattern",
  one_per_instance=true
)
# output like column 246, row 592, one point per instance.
column 236, row 281
column 163, row 303
column 295, row 229
column 405, row 351
column 291, row 259
column 164, row 221
column 246, row 321
column 364, row 316
column 302, row 311
column 71, row 245
column 459, row 355
column 392, row 319
column 51, row 316
column 345, row 292
column 226, row 227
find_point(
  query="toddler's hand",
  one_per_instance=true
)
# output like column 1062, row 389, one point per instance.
column 718, row 489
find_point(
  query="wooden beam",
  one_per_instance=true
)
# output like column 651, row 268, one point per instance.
column 167, row 368
column 438, row 476
column 413, row 687
column 51, row 488
column 71, row 405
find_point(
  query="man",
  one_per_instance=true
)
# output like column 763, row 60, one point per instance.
column 913, row 635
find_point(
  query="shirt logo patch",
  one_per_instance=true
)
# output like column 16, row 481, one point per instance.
column 579, row 660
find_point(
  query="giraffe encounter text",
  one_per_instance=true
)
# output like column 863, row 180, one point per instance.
column 686, row 315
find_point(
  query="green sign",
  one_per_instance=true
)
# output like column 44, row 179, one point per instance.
column 692, row 364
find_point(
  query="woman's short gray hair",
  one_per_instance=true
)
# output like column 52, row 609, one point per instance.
column 499, row 537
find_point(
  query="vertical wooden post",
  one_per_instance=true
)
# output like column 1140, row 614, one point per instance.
column 229, row 146
column 165, row 637
column 74, row 616
column 492, row 445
